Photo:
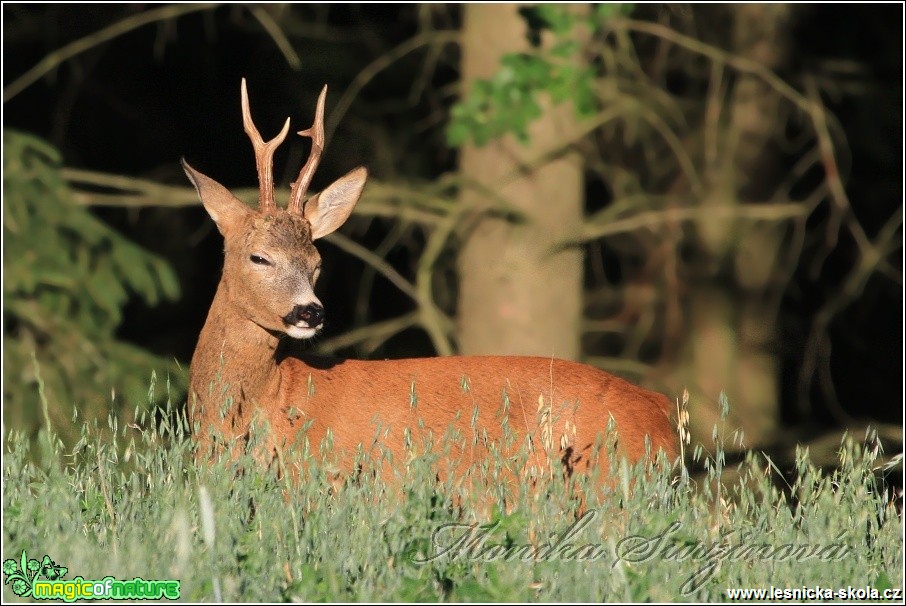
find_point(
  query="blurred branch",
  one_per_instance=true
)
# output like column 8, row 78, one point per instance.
column 421, row 206
column 294, row 25
column 131, row 192
column 651, row 219
column 55, row 58
column 873, row 259
column 375, row 334
column 371, row 259
column 366, row 283
column 841, row 208
column 429, row 67
column 377, row 66
column 436, row 323
column 415, row 204
column 715, row 54
column 817, row 350
column 279, row 38
column 676, row 145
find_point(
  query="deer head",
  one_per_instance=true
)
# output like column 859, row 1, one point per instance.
column 271, row 264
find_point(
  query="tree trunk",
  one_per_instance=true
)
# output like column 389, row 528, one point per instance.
column 733, row 332
column 516, row 295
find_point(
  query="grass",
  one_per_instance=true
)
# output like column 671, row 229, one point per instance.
column 131, row 502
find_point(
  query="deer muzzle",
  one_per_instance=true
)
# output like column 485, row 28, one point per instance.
column 310, row 315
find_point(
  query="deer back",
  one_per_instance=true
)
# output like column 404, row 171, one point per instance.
column 247, row 362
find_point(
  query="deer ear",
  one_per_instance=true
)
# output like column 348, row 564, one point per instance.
column 329, row 209
column 226, row 210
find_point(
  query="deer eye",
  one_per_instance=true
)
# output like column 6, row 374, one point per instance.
column 259, row 260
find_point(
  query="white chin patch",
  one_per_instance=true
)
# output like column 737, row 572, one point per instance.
column 301, row 332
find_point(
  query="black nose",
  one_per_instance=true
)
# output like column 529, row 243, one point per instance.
column 312, row 314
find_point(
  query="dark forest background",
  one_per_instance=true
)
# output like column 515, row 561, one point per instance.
column 728, row 181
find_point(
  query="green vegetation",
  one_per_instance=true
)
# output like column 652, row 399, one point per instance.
column 130, row 502
column 67, row 278
column 507, row 103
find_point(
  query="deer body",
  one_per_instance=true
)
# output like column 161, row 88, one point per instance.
column 247, row 364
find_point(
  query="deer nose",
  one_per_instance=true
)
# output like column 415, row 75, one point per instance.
column 312, row 314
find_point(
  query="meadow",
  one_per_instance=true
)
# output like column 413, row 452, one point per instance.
column 130, row 501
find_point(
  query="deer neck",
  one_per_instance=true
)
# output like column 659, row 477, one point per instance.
column 234, row 358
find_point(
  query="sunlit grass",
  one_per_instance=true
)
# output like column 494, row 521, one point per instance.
column 132, row 502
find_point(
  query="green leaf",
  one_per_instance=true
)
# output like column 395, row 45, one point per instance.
column 64, row 298
column 559, row 19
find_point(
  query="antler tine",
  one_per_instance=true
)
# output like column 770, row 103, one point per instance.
column 316, row 132
column 264, row 154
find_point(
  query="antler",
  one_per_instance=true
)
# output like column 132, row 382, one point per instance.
column 264, row 154
column 316, row 132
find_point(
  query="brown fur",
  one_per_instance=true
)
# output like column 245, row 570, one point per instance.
column 245, row 365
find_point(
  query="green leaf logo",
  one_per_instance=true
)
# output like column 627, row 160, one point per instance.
column 51, row 571
column 21, row 575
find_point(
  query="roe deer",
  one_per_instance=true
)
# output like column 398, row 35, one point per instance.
column 245, row 363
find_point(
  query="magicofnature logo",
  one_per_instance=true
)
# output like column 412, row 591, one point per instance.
column 44, row 580
column 23, row 574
